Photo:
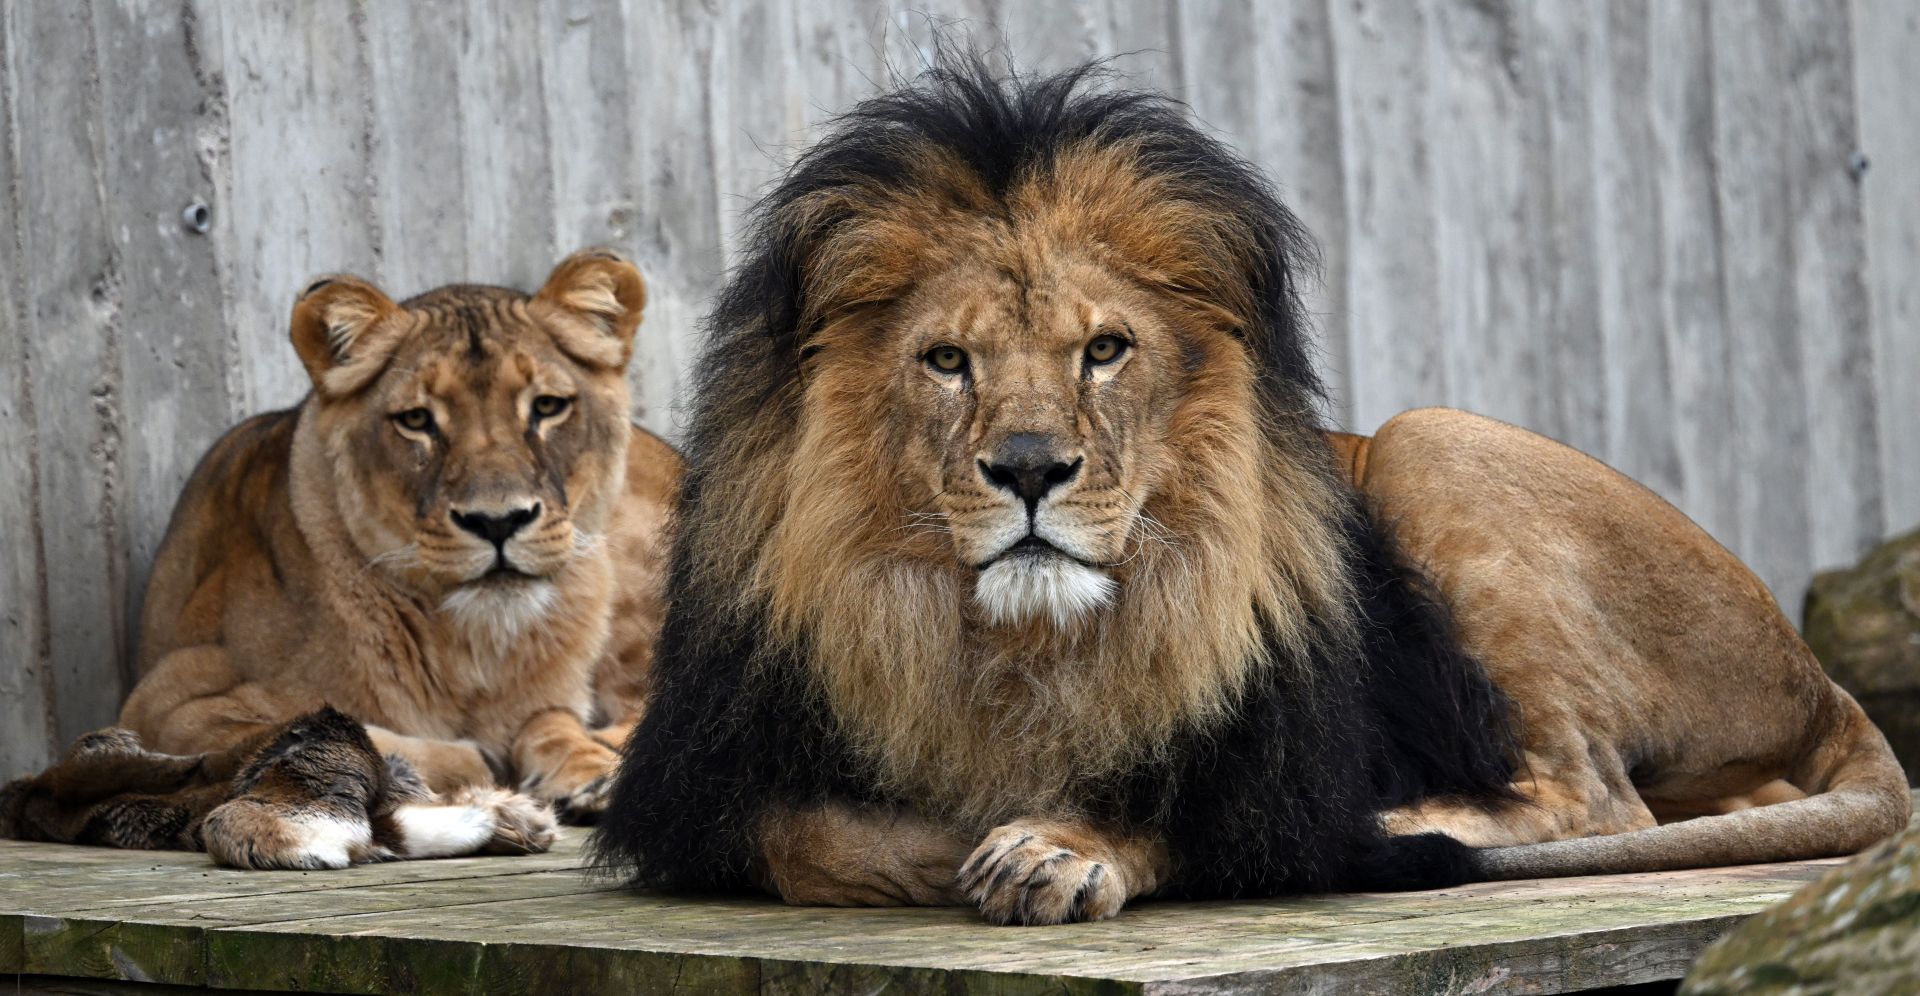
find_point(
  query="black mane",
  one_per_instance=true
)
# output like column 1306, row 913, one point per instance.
column 1283, row 797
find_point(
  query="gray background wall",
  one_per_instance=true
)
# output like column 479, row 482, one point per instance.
column 1639, row 227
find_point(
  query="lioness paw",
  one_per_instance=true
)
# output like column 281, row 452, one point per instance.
column 521, row 825
column 1021, row 875
column 580, row 786
column 585, row 804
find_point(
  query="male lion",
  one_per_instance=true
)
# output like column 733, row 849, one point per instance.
column 455, row 539
column 1014, row 567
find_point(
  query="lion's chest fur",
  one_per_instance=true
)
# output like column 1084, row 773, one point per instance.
column 1005, row 724
column 423, row 670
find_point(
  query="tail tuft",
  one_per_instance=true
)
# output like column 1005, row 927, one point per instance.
column 1418, row 861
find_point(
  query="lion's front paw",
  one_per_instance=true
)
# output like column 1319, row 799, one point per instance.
column 1023, row 875
column 521, row 825
column 584, row 805
column 581, row 788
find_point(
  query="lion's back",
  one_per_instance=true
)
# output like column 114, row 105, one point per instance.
column 1517, row 528
column 224, row 523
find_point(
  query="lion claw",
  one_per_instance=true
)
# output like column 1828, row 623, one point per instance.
column 583, row 806
column 1019, row 877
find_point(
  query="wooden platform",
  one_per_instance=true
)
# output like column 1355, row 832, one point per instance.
column 513, row 925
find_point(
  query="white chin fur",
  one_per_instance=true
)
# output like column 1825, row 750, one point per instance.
column 499, row 614
column 1019, row 589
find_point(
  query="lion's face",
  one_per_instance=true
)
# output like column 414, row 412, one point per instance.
column 1039, row 403
column 476, row 436
column 1014, row 440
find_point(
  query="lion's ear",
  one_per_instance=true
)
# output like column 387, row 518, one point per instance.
column 601, row 295
column 337, row 332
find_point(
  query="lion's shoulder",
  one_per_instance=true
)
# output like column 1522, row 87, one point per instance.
column 654, row 468
column 233, row 503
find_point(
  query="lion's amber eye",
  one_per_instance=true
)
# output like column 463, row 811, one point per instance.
column 947, row 359
column 1105, row 349
column 549, row 405
column 415, row 420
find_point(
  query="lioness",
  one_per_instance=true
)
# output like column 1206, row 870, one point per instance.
column 456, row 538
column 1014, row 567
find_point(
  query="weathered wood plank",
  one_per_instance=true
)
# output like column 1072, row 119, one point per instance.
column 53, row 985
column 1435, row 942
column 505, row 925
column 418, row 164
column 1886, row 34
column 1640, row 422
column 1263, row 74
column 590, row 142
column 1558, row 79
column 26, row 681
column 1817, row 133
column 302, row 200
column 159, row 113
column 1393, row 293
column 1691, row 287
column 505, row 139
column 1049, row 37
column 759, row 120
column 72, row 302
column 1492, row 254
column 677, row 213
column 1755, row 198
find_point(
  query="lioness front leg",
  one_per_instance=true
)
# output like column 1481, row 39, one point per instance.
column 444, row 765
column 557, row 760
column 1033, row 872
column 844, row 855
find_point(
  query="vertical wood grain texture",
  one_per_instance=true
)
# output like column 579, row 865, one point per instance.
column 1490, row 243
column 73, row 326
column 1818, row 133
column 1262, row 74
column 1394, row 314
column 418, row 161
column 1691, row 282
column 1637, row 226
column 1627, row 225
column 157, row 109
column 1886, row 36
column 302, row 199
column 26, row 679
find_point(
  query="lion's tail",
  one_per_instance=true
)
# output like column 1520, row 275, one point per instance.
column 1857, row 795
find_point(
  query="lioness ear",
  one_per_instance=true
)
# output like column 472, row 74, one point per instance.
column 602, row 295
column 336, row 330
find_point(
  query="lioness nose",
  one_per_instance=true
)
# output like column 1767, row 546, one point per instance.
column 1027, row 465
column 496, row 528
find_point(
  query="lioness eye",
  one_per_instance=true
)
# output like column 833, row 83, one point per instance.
column 947, row 359
column 415, row 419
column 1105, row 349
column 549, row 405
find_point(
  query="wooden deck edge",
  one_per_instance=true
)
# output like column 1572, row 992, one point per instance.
column 1570, row 963
column 242, row 957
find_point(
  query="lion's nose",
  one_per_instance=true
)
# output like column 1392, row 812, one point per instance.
column 1027, row 465
column 496, row 527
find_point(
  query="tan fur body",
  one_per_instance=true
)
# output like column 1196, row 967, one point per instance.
column 1655, row 676
column 269, row 598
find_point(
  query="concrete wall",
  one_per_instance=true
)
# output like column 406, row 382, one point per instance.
column 1641, row 227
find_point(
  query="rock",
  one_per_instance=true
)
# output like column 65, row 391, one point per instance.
column 1855, row 931
column 1864, row 625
